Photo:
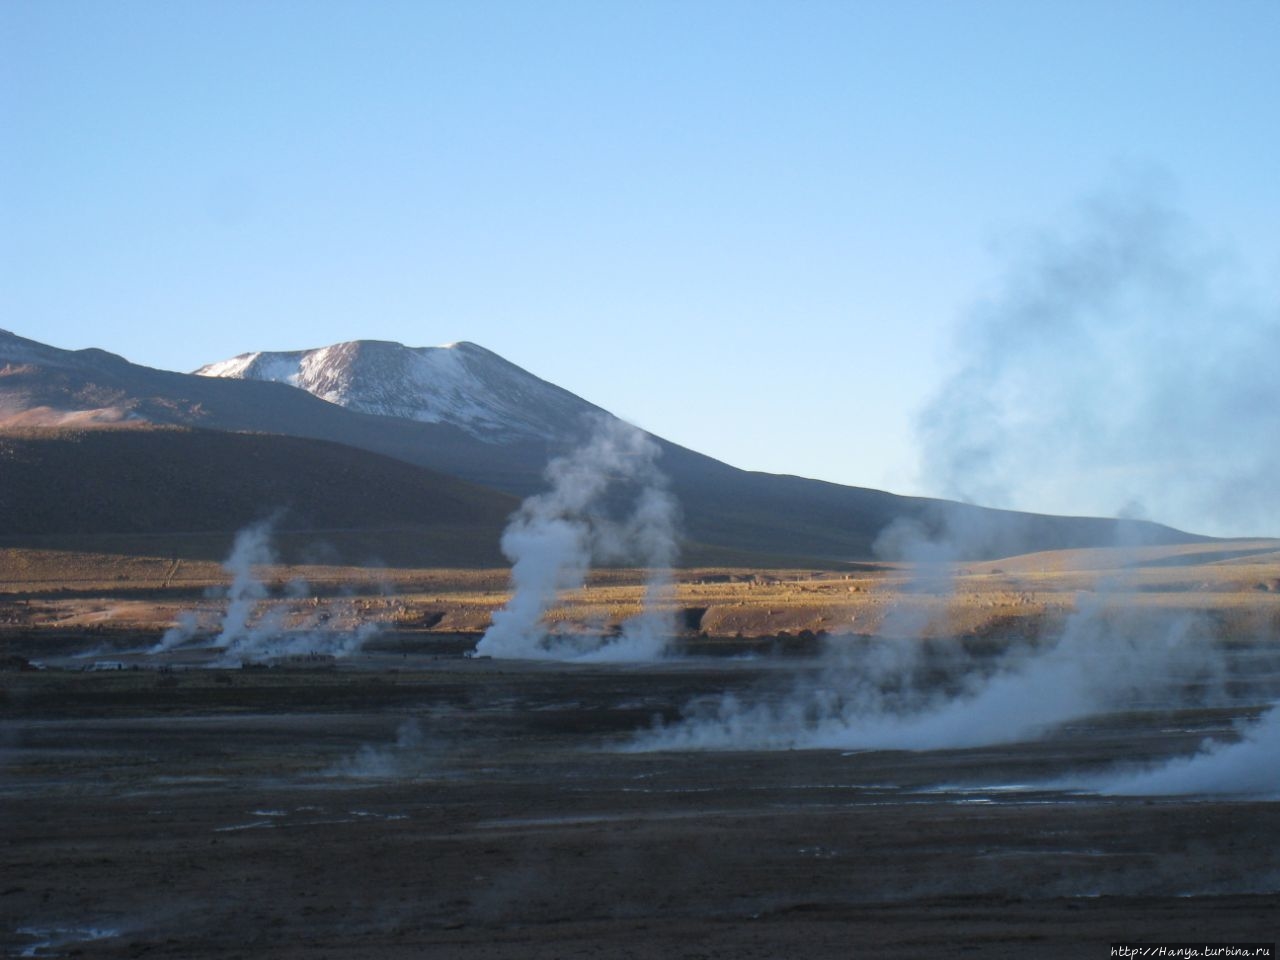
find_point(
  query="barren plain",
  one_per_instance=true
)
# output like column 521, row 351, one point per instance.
column 410, row 801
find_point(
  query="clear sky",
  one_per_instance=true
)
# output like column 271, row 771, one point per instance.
column 754, row 228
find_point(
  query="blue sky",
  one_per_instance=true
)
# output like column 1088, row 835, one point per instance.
column 752, row 228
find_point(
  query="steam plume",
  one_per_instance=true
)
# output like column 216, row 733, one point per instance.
column 902, row 693
column 251, row 547
column 1116, row 373
column 554, row 537
column 899, row 695
column 1121, row 371
column 1251, row 766
column 186, row 628
column 252, row 627
column 408, row 756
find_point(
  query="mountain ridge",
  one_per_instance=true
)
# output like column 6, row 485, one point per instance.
column 724, row 508
column 460, row 383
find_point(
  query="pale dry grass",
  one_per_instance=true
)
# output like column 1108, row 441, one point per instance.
column 1233, row 579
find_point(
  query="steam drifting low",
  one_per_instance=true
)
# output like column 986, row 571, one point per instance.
column 1249, row 767
column 900, row 694
column 608, row 502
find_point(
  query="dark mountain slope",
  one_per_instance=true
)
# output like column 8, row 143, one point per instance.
column 41, row 385
column 724, row 508
column 477, row 391
column 85, row 484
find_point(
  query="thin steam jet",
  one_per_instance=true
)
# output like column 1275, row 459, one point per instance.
column 608, row 502
column 252, row 547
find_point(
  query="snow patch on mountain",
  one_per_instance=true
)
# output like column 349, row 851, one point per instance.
column 280, row 368
column 460, row 383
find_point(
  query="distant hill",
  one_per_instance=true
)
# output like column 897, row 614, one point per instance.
column 83, row 485
column 728, row 513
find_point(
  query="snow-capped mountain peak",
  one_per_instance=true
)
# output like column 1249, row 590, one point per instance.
column 460, row 383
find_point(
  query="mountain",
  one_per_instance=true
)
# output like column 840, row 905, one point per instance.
column 46, row 386
column 730, row 515
column 461, row 384
column 186, row 492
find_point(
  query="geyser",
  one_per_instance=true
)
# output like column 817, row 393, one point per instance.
column 901, row 694
column 251, row 627
column 1249, row 767
column 607, row 502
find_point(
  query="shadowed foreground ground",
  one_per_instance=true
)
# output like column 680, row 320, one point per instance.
column 425, row 805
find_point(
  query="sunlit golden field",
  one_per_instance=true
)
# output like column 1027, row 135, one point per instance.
column 1236, row 582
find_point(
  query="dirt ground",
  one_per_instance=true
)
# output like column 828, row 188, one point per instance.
column 412, row 802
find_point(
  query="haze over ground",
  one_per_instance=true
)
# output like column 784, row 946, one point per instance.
column 759, row 230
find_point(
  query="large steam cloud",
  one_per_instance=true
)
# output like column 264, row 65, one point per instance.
column 898, row 694
column 1116, row 373
column 1121, row 370
column 608, row 502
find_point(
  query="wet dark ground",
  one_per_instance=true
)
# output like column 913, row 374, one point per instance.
column 420, row 804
